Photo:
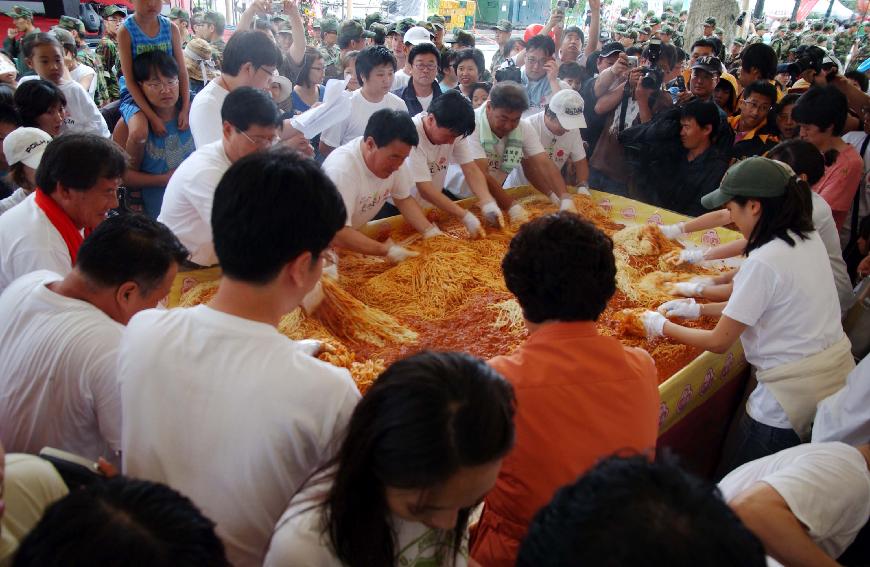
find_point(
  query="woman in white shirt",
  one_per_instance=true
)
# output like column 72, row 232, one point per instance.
column 783, row 308
column 423, row 447
column 23, row 148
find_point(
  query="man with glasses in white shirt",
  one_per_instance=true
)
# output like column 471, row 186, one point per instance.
column 250, row 122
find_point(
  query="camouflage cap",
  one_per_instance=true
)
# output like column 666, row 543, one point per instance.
column 761, row 26
column 739, row 41
column 718, row 31
column 175, row 13
column 428, row 26
column 666, row 30
column 828, row 27
column 352, row 29
column 70, row 23
column 437, row 21
column 329, row 25
column 19, row 12
column 710, row 22
column 817, row 26
column 632, row 34
column 646, row 30
column 654, row 20
column 620, row 28
column 391, row 29
column 404, row 25
column 113, row 10
column 372, row 18
column 462, row 36
column 284, row 18
column 793, row 26
column 504, row 25
column 64, row 37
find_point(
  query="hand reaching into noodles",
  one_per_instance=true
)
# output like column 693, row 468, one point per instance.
column 432, row 232
column 396, row 253
column 567, row 204
column 653, row 324
column 684, row 308
column 583, row 189
column 313, row 347
column 673, row 231
column 473, row 226
column 518, row 214
column 492, row 214
column 680, row 257
column 692, row 288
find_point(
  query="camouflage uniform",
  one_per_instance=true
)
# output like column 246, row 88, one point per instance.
column 12, row 46
column 498, row 57
column 331, row 55
column 107, row 51
column 86, row 56
column 843, row 43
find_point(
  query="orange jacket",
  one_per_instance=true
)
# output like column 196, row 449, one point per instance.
column 580, row 397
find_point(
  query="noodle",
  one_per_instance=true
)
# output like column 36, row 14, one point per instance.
column 510, row 317
column 643, row 240
column 200, row 293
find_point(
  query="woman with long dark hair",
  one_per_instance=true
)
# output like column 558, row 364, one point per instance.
column 423, row 447
column 783, row 308
column 308, row 90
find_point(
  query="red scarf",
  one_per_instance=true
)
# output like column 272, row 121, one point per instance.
column 61, row 221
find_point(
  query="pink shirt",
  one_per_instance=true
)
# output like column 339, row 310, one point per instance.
column 839, row 183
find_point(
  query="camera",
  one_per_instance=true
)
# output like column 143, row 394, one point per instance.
column 740, row 20
column 508, row 72
column 807, row 57
column 652, row 76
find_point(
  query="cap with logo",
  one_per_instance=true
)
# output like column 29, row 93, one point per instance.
column 25, row 145
column 65, row 38
column 752, row 177
column 710, row 22
column 504, row 25
column 611, row 48
column 708, row 63
column 174, row 14
column 567, row 105
column 352, row 29
column 19, row 12
column 113, row 10
column 71, row 24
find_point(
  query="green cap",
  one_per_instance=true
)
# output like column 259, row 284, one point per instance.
column 710, row 22
column 752, row 177
column 645, row 30
column 372, row 18
column 285, row 19
column 352, row 29
column 761, row 26
column 329, row 25
column 437, row 21
column 64, row 37
column 654, row 20
column 793, row 26
column 174, row 14
column 462, row 36
column 378, row 28
column 504, row 25
column 667, row 30
column 404, row 25
column 391, row 29
column 739, row 41
column 632, row 34
column 620, row 28
column 113, row 10
column 19, row 12
column 828, row 27
column 70, row 23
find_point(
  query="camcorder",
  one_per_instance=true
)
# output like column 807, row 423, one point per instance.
column 508, row 72
column 652, row 76
column 807, row 57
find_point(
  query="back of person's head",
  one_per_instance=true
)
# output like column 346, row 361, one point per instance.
column 572, row 70
column 762, row 57
column 129, row 248
column 803, row 157
column 252, row 47
column 705, row 113
column 8, row 115
column 247, row 106
column 371, row 57
column 425, row 418
column 512, row 44
column 628, row 511
column 387, row 126
column 155, row 62
column 35, row 98
column 425, row 48
column 763, row 88
column 78, row 161
column 454, row 112
column 33, row 40
column 269, row 208
column 217, row 20
column 510, row 96
column 542, row 42
column 824, row 107
column 860, row 78
column 786, row 100
column 122, row 523
column 561, row 268
column 470, row 54
column 7, row 94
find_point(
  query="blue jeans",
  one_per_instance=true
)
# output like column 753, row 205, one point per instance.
column 753, row 440
column 601, row 182
column 152, row 200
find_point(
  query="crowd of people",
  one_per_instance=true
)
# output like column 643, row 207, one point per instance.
column 209, row 438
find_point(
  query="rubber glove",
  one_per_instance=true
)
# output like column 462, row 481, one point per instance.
column 398, row 254
column 567, row 204
column 518, row 214
column 684, row 308
column 653, row 324
column 432, row 232
column 673, row 231
column 583, row 189
column 492, row 214
column 473, row 226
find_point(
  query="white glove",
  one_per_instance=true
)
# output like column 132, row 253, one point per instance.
column 583, row 189
column 693, row 256
column 683, row 308
column 398, row 254
column 687, row 289
column 518, row 214
column 673, row 231
column 554, row 198
column 313, row 298
column 653, row 324
column 432, row 232
column 568, row 205
column 473, row 226
column 311, row 347
column 492, row 214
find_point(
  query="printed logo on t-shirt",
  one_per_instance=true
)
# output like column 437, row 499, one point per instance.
column 437, row 167
column 372, row 200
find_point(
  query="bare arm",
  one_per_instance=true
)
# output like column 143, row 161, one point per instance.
column 594, row 27
column 718, row 340
column 495, row 189
column 609, row 101
column 134, row 178
column 439, row 199
column 728, row 250
column 297, row 50
column 581, row 170
column 246, row 21
column 324, row 149
column 712, row 219
column 413, row 213
column 476, row 182
column 785, row 538
column 350, row 238
column 125, row 52
column 542, row 173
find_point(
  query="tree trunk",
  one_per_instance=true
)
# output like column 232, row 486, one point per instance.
column 725, row 12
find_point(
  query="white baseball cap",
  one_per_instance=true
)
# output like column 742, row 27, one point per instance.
column 25, row 145
column 417, row 35
column 567, row 105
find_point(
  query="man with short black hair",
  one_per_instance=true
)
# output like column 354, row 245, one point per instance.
column 758, row 63
column 77, row 182
column 60, row 336
column 572, row 45
column 503, row 141
column 249, row 123
column 540, row 73
column 753, row 136
column 375, row 67
column 566, row 377
column 217, row 403
column 628, row 511
column 423, row 88
column 368, row 171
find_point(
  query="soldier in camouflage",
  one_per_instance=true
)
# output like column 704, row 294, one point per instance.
column 758, row 36
column 734, row 56
column 107, row 50
column 844, row 41
column 861, row 54
column 86, row 56
column 329, row 49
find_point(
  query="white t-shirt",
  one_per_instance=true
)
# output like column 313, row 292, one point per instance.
column 360, row 112
column 188, row 199
column 400, row 79
column 455, row 182
column 16, row 197
column 205, row 114
column 845, row 415
column 299, row 537
column 823, row 221
column 83, row 72
column 29, row 242
column 362, row 191
column 786, row 297
column 856, row 140
column 429, row 162
column 425, row 101
column 231, row 413
column 826, row 487
column 58, row 373
column 82, row 114
column 560, row 149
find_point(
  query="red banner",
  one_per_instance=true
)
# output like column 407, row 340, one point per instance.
column 805, row 8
